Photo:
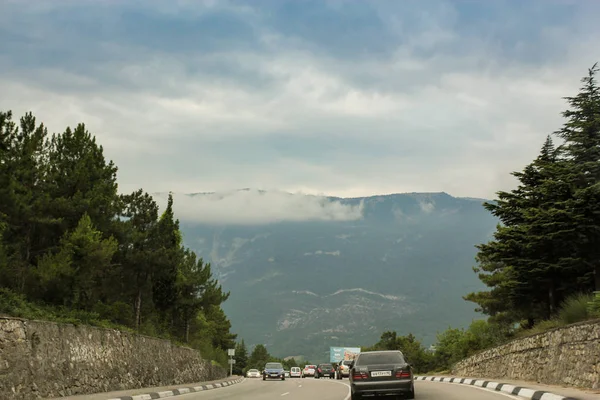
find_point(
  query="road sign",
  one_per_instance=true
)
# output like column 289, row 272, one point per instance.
column 231, row 361
column 231, row 352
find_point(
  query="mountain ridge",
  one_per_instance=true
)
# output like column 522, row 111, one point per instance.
column 300, row 286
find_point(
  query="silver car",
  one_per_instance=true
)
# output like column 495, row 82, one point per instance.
column 253, row 373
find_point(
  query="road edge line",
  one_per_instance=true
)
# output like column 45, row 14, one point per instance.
column 180, row 391
column 492, row 386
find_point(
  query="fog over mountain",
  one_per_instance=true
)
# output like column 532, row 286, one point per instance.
column 308, row 272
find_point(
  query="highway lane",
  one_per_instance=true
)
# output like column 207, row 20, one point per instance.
column 329, row 389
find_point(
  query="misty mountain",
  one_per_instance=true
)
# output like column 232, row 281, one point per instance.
column 316, row 272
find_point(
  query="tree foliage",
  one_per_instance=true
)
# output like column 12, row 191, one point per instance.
column 547, row 245
column 69, row 240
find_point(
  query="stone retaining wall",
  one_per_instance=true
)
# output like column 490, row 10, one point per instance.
column 41, row 359
column 568, row 356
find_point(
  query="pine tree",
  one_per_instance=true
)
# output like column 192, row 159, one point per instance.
column 81, row 181
column 138, row 250
column 164, row 290
column 74, row 276
column 23, row 197
column 519, row 264
column 581, row 136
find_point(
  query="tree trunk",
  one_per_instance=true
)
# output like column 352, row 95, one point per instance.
column 597, row 277
column 187, row 330
column 551, row 298
column 138, row 309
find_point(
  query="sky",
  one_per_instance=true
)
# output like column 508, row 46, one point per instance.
column 339, row 97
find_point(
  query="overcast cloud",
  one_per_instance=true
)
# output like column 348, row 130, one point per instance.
column 341, row 97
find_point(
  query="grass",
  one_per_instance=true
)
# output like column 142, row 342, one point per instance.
column 576, row 308
column 16, row 305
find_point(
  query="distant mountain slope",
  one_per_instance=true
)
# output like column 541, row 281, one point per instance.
column 400, row 262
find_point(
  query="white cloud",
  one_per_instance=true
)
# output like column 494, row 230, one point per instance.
column 256, row 207
column 442, row 111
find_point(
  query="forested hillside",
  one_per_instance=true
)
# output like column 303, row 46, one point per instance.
column 73, row 249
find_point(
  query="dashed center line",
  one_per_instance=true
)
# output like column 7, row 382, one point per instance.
column 285, row 394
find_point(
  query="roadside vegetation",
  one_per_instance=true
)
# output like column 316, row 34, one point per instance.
column 542, row 266
column 72, row 249
column 257, row 359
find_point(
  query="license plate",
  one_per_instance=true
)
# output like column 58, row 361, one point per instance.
column 381, row 373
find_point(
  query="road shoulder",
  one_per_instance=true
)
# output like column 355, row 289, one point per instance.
column 158, row 392
column 526, row 390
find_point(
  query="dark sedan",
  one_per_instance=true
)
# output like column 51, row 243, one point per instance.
column 325, row 370
column 381, row 373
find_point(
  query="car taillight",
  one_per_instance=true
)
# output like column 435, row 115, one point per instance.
column 402, row 374
column 359, row 375
column 319, row 370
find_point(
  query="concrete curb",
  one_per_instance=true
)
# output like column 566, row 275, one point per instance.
column 498, row 387
column 177, row 392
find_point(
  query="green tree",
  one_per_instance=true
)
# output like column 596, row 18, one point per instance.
column 259, row 357
column 241, row 358
column 523, row 265
column 138, row 248
column 81, row 181
column 73, row 276
column 192, row 278
column 68, row 239
column 164, row 290
column 412, row 349
column 581, row 148
column 22, row 197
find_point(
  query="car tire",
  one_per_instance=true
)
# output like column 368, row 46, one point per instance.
column 411, row 394
column 264, row 379
column 355, row 396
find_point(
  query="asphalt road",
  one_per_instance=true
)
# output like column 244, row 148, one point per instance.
column 331, row 389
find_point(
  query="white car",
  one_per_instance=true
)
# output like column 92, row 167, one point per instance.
column 309, row 370
column 295, row 372
column 253, row 373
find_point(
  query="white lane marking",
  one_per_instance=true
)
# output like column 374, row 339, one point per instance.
column 348, row 386
column 285, row 394
column 480, row 388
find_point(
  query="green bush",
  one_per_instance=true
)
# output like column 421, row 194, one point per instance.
column 594, row 305
column 575, row 308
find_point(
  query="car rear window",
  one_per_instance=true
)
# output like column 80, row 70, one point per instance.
column 274, row 366
column 380, row 358
column 347, row 362
column 326, row 366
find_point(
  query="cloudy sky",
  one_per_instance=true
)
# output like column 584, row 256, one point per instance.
column 340, row 97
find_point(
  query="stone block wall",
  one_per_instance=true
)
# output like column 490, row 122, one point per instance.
column 568, row 356
column 41, row 359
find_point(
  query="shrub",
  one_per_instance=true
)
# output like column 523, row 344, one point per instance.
column 575, row 308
